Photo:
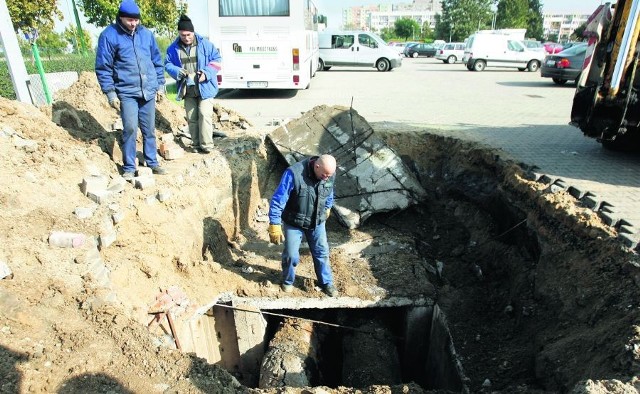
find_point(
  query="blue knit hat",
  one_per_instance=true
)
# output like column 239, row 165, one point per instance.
column 129, row 9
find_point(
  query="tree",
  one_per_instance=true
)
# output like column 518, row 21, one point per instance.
column 512, row 14
column 49, row 42
column 71, row 36
column 578, row 33
column 406, row 27
column 160, row 15
column 427, row 32
column 534, row 20
column 28, row 15
column 461, row 18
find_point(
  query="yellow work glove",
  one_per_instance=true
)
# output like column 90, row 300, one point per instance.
column 275, row 234
column 328, row 213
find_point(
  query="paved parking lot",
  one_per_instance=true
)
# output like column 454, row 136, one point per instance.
column 521, row 113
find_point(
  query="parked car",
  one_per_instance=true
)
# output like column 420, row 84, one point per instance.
column 420, row 49
column 451, row 52
column 552, row 47
column 534, row 45
column 398, row 46
column 564, row 66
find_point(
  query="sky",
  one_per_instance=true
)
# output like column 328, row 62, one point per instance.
column 331, row 8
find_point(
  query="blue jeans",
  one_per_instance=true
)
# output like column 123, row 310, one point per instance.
column 138, row 112
column 317, row 241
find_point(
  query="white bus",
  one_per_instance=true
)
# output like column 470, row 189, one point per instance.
column 265, row 44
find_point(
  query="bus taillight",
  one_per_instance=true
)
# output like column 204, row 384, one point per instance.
column 219, row 78
column 296, row 79
column 295, row 52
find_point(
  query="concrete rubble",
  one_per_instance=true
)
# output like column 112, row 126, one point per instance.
column 371, row 177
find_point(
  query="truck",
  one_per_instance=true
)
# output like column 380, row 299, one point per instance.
column 606, row 105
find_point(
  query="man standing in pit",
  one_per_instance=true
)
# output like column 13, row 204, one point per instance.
column 129, row 71
column 301, row 205
column 194, row 62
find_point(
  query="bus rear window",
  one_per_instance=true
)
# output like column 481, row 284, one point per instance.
column 254, row 7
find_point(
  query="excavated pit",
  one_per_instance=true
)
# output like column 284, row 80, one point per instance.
column 388, row 328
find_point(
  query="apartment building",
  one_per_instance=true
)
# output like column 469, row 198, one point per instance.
column 562, row 25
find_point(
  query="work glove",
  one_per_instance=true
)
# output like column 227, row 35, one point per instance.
column 182, row 74
column 160, row 94
column 327, row 213
column 275, row 234
column 201, row 76
column 114, row 102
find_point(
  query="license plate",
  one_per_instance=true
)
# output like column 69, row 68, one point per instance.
column 551, row 62
column 257, row 84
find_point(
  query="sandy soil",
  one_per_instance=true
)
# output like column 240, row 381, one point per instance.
column 538, row 294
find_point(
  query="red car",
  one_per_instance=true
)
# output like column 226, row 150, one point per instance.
column 552, row 47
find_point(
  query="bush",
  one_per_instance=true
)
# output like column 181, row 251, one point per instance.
column 60, row 63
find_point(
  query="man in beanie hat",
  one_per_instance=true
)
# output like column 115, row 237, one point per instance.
column 194, row 62
column 130, row 72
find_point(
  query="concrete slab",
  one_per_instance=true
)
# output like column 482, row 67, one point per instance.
column 371, row 177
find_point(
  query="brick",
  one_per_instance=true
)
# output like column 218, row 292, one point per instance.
column 145, row 172
column 107, row 238
column 93, row 184
column 173, row 153
column 144, row 182
column 101, row 197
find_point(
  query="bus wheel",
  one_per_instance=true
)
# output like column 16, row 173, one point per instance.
column 383, row 65
column 320, row 65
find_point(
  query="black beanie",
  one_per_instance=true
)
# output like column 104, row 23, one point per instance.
column 184, row 24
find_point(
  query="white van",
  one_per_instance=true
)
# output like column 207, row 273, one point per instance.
column 493, row 48
column 356, row 48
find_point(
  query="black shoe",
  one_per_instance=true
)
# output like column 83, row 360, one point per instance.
column 330, row 290
column 159, row 170
column 205, row 151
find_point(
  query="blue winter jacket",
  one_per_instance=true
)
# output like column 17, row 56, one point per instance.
column 129, row 63
column 209, row 61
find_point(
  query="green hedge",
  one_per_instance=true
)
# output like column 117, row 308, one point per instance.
column 59, row 63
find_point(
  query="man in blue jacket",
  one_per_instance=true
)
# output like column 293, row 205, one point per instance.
column 302, row 204
column 194, row 62
column 129, row 70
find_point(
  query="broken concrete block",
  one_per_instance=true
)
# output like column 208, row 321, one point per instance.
column 171, row 151
column 224, row 117
column 145, row 172
column 83, row 213
column 371, row 177
column 93, row 184
column 144, row 182
column 117, row 125
column 64, row 239
column 117, row 217
column 100, row 196
column 107, row 237
column 117, row 185
column 5, row 271
column 163, row 195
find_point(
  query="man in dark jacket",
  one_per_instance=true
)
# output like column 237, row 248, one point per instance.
column 194, row 62
column 129, row 70
column 302, row 204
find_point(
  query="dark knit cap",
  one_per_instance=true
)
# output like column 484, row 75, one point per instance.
column 129, row 9
column 184, row 24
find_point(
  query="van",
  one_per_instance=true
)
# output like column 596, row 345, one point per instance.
column 494, row 48
column 356, row 49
